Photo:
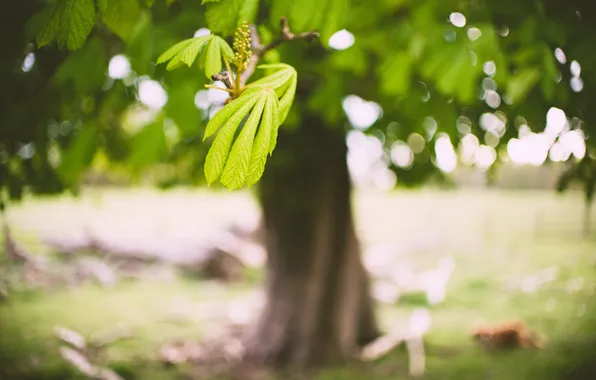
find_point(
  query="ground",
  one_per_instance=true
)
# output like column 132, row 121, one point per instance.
column 516, row 255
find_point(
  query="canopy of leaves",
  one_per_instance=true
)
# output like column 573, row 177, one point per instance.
column 68, row 104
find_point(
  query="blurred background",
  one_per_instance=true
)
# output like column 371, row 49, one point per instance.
column 467, row 126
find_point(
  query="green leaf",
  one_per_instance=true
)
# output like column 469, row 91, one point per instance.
column 181, row 107
column 212, row 59
column 203, row 2
column 225, row 113
column 327, row 16
column 85, row 68
column 236, row 168
column 283, row 81
column 212, row 48
column 285, row 102
column 174, row 50
column 395, row 74
column 79, row 154
column 148, row 145
column 548, row 81
column 335, row 17
column 120, row 16
column 276, row 80
column 265, row 141
column 225, row 16
column 226, row 50
column 68, row 22
column 521, row 83
column 220, row 149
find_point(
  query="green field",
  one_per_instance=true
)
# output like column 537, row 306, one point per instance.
column 499, row 241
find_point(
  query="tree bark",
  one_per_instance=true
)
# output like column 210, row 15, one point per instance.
column 319, row 309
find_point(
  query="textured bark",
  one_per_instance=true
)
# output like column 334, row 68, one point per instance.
column 318, row 310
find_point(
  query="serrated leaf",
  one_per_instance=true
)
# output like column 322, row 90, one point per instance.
column 189, row 54
column 263, row 142
column 226, row 50
column 220, row 149
column 277, row 79
column 212, row 59
column 285, row 103
column 225, row 15
column 236, row 168
column 120, row 16
column 212, row 49
column 225, row 113
column 68, row 22
column 284, row 81
column 184, row 52
column 174, row 50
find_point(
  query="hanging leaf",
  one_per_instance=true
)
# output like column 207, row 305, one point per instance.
column 237, row 164
column 265, row 141
column 212, row 48
column 236, row 168
column 120, row 16
column 224, row 16
column 214, row 51
column 284, row 81
column 68, row 22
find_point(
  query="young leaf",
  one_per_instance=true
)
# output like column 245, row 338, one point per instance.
column 174, row 50
column 225, row 113
column 237, row 165
column 184, row 52
column 284, row 82
column 220, row 149
column 212, row 48
column 226, row 51
column 69, row 22
column 212, row 59
column 285, row 102
column 263, row 141
column 276, row 80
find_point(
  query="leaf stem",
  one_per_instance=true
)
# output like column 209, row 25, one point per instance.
column 229, row 69
column 219, row 88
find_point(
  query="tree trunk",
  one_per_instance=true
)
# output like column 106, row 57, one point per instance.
column 319, row 309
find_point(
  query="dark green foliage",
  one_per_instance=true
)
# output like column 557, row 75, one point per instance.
column 407, row 57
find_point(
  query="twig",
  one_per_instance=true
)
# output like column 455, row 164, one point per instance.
column 219, row 88
column 259, row 50
column 224, row 77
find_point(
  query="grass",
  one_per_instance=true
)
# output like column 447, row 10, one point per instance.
column 498, row 240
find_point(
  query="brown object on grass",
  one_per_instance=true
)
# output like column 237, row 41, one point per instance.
column 509, row 335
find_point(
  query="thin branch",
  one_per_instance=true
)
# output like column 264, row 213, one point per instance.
column 224, row 77
column 259, row 50
column 219, row 88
